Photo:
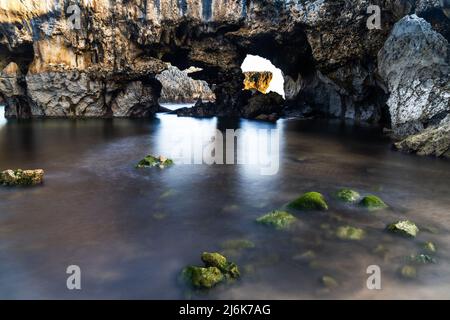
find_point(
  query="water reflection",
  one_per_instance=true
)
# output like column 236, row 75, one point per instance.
column 2, row 116
column 131, row 231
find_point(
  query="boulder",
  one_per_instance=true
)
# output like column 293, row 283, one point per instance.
column 309, row 201
column 414, row 62
column 348, row 195
column 277, row 219
column 21, row 177
column 373, row 203
column 406, row 228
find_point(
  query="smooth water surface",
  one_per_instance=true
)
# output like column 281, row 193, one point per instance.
column 131, row 230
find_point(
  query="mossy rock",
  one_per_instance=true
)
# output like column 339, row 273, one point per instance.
column 309, row 201
column 217, row 260
column 329, row 282
column 405, row 228
column 429, row 246
column 152, row 161
column 216, row 270
column 200, row 277
column 372, row 203
column 21, row 177
column 350, row 233
column 408, row 272
column 348, row 195
column 422, row 259
column 278, row 219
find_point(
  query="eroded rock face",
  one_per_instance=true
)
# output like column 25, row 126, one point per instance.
column 178, row 87
column 415, row 65
column 259, row 81
column 107, row 66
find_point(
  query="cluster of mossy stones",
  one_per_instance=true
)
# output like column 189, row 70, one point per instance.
column 21, row 177
column 152, row 161
column 315, row 201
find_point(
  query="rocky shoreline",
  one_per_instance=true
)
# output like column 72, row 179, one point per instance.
column 334, row 66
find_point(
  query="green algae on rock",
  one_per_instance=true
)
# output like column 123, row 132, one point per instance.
column 217, row 260
column 408, row 272
column 202, row 277
column 152, row 161
column 406, row 228
column 329, row 282
column 372, row 203
column 277, row 219
column 348, row 195
column 422, row 259
column 429, row 246
column 216, row 270
column 21, row 177
column 350, row 233
column 309, row 201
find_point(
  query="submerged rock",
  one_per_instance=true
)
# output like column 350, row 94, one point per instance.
column 202, row 277
column 277, row 219
column 237, row 244
column 310, row 201
column 350, row 233
column 216, row 270
column 429, row 246
column 408, row 272
column 21, row 177
column 348, row 195
column 329, row 282
column 405, row 228
column 422, row 259
column 229, row 269
column 372, row 203
column 151, row 161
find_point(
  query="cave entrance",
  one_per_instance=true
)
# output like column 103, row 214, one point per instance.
column 262, row 75
column 180, row 90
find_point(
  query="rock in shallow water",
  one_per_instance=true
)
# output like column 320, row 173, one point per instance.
column 310, row 201
column 277, row 219
column 350, row 233
column 21, row 177
column 152, row 161
column 405, row 228
column 348, row 195
column 216, row 270
column 372, row 203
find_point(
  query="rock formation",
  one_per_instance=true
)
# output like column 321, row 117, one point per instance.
column 100, row 58
column 415, row 64
column 179, row 87
column 259, row 81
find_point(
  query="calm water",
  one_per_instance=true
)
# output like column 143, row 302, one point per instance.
column 132, row 231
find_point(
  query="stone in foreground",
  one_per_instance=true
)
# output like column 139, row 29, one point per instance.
column 348, row 195
column 21, row 177
column 310, row 201
column 373, row 203
column 278, row 219
column 329, row 282
column 152, row 161
column 406, row 228
column 350, row 233
column 201, row 277
column 408, row 272
column 216, row 270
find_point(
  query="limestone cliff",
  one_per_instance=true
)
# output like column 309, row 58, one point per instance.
column 100, row 58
